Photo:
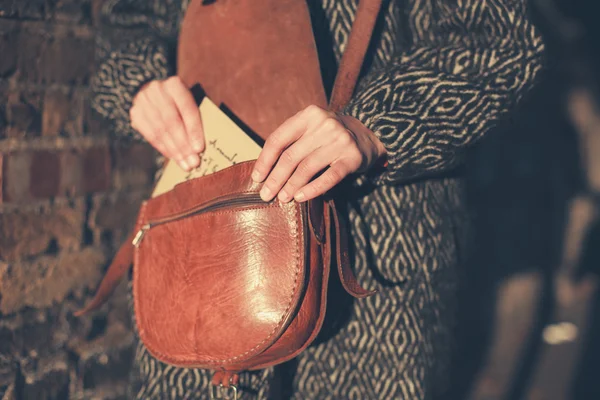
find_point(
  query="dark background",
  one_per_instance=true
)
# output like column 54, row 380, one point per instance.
column 68, row 195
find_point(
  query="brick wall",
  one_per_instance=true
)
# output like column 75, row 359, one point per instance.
column 68, row 195
column 61, row 179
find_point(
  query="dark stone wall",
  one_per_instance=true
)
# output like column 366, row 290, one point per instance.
column 68, row 195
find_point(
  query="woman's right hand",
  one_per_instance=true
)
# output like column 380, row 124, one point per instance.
column 165, row 113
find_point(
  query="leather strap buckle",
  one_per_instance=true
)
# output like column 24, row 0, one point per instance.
column 221, row 392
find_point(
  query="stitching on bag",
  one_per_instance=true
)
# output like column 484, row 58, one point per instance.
column 296, row 235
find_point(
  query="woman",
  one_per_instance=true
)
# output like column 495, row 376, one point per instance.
column 442, row 74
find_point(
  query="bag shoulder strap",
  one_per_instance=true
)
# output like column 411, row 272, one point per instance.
column 354, row 54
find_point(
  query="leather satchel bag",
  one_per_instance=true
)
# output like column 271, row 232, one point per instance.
column 227, row 282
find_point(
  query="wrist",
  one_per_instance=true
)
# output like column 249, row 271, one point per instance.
column 380, row 152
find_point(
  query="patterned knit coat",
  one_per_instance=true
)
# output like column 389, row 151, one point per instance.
column 439, row 75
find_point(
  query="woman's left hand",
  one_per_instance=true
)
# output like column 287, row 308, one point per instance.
column 312, row 141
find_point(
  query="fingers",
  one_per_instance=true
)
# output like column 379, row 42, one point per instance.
column 285, row 167
column 306, row 144
column 144, row 123
column 174, row 129
column 312, row 165
column 330, row 178
column 165, row 113
column 150, row 124
column 289, row 132
column 304, row 159
column 188, row 111
column 338, row 159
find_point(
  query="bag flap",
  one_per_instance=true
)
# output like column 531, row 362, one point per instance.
column 246, row 62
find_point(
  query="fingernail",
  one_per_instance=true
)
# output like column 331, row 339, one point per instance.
column 193, row 161
column 184, row 165
column 299, row 197
column 197, row 146
column 284, row 197
column 256, row 176
column 265, row 194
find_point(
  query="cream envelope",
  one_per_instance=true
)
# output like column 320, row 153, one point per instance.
column 226, row 145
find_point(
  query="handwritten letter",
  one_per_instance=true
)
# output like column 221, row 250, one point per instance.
column 226, row 145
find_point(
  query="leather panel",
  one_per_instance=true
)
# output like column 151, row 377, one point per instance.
column 308, row 321
column 250, row 68
column 315, row 212
column 219, row 287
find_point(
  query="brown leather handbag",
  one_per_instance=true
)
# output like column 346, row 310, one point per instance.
column 222, row 280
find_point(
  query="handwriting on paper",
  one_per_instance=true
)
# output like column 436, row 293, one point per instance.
column 226, row 145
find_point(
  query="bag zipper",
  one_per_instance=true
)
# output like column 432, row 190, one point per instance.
column 216, row 204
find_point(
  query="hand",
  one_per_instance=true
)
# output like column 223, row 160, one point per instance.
column 165, row 114
column 312, row 141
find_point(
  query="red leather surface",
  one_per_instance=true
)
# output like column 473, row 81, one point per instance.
column 220, row 287
column 259, row 58
column 241, row 287
column 307, row 323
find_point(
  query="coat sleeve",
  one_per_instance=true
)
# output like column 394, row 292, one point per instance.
column 136, row 45
column 461, row 75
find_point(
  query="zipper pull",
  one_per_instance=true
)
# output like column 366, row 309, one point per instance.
column 137, row 240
